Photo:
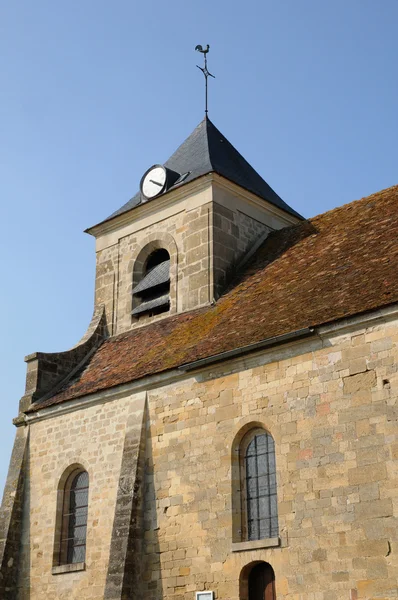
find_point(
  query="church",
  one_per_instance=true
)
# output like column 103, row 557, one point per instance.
column 226, row 429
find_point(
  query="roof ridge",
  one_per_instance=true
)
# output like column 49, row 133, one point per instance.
column 347, row 204
column 207, row 123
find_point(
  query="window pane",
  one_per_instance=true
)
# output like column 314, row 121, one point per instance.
column 261, row 487
column 253, row 509
column 252, row 487
column 80, row 481
column 75, row 520
column 80, row 516
column 274, row 528
column 271, row 460
column 251, row 449
column 264, row 507
column 272, row 484
column 79, row 498
column 265, row 528
column 251, row 467
column 78, row 554
column 80, row 534
column 261, row 441
column 253, row 530
column 262, row 464
column 274, row 505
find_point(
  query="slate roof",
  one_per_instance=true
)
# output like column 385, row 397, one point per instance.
column 207, row 150
column 333, row 266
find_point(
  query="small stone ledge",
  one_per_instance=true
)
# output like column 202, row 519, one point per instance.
column 71, row 568
column 19, row 420
column 256, row 544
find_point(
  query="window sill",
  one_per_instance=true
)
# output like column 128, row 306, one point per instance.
column 256, row 544
column 72, row 568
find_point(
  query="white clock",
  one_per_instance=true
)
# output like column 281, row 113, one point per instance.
column 153, row 182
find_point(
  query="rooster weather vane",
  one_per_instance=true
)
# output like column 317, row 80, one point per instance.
column 204, row 70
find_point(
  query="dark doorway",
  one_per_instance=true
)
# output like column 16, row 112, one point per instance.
column 262, row 582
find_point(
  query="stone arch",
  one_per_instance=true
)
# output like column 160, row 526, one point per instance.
column 156, row 241
column 68, row 469
column 246, row 591
column 245, row 428
column 239, row 533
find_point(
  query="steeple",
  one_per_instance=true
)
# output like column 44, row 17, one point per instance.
column 174, row 246
column 205, row 151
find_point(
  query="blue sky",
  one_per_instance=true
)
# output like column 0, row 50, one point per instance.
column 93, row 93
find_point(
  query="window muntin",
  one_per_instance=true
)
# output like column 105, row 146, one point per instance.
column 261, row 489
column 74, row 519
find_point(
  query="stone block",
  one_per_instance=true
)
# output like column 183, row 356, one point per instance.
column 368, row 473
column 374, row 509
column 360, row 381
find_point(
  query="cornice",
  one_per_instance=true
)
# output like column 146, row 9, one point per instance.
column 151, row 207
column 184, row 192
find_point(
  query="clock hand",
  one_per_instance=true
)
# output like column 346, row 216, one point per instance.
column 155, row 182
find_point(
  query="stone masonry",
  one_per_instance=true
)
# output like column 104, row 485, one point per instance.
column 330, row 403
column 205, row 240
column 303, row 346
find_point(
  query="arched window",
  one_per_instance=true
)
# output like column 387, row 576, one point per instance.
column 74, row 518
column 151, row 295
column 258, row 472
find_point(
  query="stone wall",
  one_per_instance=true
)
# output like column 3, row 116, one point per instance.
column 190, row 268
column 95, row 439
column 209, row 241
column 234, row 233
column 333, row 415
column 11, row 515
column 331, row 405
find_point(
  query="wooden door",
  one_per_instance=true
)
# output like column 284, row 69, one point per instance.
column 262, row 583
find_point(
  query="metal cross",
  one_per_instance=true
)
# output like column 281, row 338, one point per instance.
column 204, row 70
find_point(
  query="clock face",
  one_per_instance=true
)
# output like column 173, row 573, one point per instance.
column 153, row 182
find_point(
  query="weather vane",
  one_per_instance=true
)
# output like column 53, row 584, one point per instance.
column 204, row 70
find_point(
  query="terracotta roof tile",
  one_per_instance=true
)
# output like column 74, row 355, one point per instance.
column 338, row 264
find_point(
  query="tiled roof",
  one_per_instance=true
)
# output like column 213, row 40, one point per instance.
column 207, row 150
column 336, row 265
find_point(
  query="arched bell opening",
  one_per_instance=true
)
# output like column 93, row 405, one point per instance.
column 151, row 294
column 257, row 582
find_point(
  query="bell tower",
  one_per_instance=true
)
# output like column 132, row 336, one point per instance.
column 176, row 244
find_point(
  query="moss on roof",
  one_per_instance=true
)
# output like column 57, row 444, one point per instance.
column 333, row 266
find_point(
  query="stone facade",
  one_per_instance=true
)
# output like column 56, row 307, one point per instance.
column 162, row 479
column 157, row 420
